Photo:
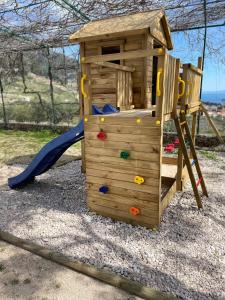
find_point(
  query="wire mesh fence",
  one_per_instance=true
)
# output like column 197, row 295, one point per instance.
column 40, row 86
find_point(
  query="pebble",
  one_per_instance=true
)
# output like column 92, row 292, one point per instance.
column 178, row 258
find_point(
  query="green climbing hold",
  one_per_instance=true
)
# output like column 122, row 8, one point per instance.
column 124, row 154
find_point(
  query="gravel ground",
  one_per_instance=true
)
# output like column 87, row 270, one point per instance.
column 185, row 257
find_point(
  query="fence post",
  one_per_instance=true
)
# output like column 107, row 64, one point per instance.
column 51, row 86
column 3, row 104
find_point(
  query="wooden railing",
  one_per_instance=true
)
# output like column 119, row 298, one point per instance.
column 192, row 77
column 167, row 84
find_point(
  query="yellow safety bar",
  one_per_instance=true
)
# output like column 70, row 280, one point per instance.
column 182, row 82
column 158, row 91
column 84, row 77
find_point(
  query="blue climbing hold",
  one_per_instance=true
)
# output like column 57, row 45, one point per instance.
column 193, row 162
column 103, row 189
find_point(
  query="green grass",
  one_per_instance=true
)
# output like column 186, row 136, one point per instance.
column 209, row 154
column 14, row 143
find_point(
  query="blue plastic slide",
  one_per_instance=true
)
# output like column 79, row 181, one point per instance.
column 52, row 151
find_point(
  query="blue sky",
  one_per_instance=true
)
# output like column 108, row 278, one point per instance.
column 214, row 71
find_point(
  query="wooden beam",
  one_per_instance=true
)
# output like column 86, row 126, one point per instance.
column 113, row 279
column 200, row 63
column 82, row 54
column 110, row 36
column 123, row 55
column 212, row 124
column 114, row 66
column 193, row 129
column 176, row 87
column 88, row 89
column 193, row 68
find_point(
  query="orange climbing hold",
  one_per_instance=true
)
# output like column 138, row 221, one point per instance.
column 135, row 211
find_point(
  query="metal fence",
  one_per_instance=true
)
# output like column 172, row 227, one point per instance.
column 40, row 86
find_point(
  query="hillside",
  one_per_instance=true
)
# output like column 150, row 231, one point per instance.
column 35, row 104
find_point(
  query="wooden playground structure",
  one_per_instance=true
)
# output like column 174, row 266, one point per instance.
column 124, row 62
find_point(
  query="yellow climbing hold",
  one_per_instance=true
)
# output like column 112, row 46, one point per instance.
column 82, row 59
column 102, row 119
column 85, row 119
column 139, row 179
column 138, row 121
column 158, row 122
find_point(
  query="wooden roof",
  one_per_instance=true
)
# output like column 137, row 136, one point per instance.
column 119, row 26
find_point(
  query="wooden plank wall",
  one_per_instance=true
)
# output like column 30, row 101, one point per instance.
column 137, row 42
column 124, row 90
column 148, row 73
column 105, row 167
column 104, row 80
column 169, row 80
column 193, row 84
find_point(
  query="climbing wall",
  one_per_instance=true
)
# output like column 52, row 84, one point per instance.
column 122, row 153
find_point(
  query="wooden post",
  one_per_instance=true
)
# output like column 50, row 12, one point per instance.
column 212, row 124
column 176, row 87
column 180, row 155
column 159, row 100
column 159, row 115
column 148, row 73
column 82, row 54
column 193, row 129
column 200, row 66
column 87, row 87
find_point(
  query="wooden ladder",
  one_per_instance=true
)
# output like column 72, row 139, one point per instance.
column 181, row 126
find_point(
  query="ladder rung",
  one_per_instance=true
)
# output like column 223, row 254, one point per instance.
column 182, row 123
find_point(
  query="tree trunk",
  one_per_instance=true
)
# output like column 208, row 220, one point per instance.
column 51, row 86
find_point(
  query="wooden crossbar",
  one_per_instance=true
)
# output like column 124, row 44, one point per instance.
column 114, row 66
column 123, row 55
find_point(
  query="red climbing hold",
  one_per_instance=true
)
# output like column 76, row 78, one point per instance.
column 102, row 135
column 169, row 148
column 177, row 142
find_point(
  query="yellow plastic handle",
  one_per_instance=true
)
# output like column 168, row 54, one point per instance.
column 190, row 87
column 84, row 77
column 182, row 82
column 158, row 91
